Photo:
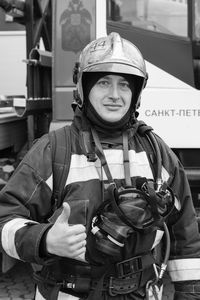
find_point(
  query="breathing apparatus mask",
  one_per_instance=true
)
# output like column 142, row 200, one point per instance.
column 129, row 210
column 142, row 208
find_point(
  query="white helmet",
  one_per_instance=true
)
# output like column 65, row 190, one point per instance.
column 111, row 54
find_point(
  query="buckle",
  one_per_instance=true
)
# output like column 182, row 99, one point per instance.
column 123, row 286
column 111, row 287
column 68, row 283
column 129, row 266
column 77, row 284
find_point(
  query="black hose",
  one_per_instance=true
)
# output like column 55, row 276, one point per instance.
column 167, row 239
column 167, row 252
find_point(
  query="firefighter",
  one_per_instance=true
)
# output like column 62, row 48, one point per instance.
column 127, row 212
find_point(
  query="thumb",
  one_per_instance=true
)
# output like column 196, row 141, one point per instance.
column 64, row 216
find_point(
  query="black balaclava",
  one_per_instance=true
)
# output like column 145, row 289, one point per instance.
column 88, row 81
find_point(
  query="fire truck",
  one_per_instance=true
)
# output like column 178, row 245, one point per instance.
column 166, row 31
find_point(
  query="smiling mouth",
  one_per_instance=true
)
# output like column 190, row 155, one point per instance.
column 113, row 105
column 113, row 108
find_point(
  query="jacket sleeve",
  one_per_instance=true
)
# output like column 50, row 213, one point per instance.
column 25, row 203
column 184, row 262
column 187, row 290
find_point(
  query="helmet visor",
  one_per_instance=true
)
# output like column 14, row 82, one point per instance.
column 115, row 67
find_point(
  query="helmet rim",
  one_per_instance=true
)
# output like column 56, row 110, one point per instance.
column 115, row 67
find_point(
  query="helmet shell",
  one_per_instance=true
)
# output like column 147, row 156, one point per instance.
column 111, row 54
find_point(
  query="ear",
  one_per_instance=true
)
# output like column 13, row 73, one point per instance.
column 145, row 82
column 77, row 97
column 76, row 72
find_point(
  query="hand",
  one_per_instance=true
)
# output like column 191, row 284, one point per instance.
column 64, row 239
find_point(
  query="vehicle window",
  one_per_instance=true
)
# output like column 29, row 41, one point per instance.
column 7, row 24
column 165, row 16
column 197, row 19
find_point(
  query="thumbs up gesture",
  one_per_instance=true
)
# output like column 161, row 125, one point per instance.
column 66, row 240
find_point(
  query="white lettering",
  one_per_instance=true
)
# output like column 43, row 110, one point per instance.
column 172, row 113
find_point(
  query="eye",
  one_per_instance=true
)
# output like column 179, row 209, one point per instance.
column 124, row 85
column 103, row 83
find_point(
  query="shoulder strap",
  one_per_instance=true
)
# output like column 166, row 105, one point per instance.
column 60, row 143
column 150, row 144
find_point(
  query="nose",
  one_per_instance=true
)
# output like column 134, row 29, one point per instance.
column 114, row 92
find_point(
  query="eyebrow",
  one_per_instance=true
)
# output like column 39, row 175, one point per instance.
column 104, row 77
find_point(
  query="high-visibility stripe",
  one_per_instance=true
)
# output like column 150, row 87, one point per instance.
column 82, row 170
column 61, row 296
column 8, row 235
column 177, row 204
column 158, row 238
column 49, row 182
column 184, row 269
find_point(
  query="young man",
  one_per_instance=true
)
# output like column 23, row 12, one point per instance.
column 123, row 218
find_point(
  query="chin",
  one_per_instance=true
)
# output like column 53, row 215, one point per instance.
column 111, row 120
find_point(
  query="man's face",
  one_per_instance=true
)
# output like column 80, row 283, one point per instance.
column 111, row 97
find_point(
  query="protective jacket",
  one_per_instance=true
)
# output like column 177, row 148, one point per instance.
column 26, row 206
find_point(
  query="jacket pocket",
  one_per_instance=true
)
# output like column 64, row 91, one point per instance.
column 78, row 212
column 79, row 209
